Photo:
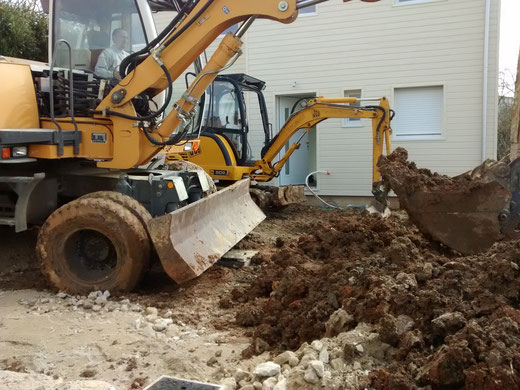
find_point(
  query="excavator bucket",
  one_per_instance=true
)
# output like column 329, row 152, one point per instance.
column 464, row 212
column 467, row 221
column 191, row 239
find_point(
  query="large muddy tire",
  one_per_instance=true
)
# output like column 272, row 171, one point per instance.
column 128, row 202
column 131, row 205
column 93, row 244
column 181, row 165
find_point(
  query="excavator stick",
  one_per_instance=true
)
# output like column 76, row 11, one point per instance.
column 467, row 213
column 191, row 239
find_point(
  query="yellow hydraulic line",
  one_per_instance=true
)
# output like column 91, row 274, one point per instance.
column 346, row 100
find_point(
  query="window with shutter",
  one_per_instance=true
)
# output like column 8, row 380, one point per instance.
column 419, row 113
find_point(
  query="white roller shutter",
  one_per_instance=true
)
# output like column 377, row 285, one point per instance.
column 419, row 112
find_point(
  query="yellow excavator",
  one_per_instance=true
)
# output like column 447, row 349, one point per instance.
column 71, row 141
column 221, row 141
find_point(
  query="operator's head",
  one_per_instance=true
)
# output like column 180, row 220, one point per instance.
column 120, row 38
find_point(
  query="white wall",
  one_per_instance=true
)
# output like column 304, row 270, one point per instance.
column 377, row 47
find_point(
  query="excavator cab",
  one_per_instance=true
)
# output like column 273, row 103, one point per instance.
column 88, row 28
column 225, row 117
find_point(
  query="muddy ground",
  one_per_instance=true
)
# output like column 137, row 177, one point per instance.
column 441, row 320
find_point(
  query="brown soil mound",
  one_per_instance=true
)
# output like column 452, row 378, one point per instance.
column 461, row 212
column 404, row 175
column 453, row 321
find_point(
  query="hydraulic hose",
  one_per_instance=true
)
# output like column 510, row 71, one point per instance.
column 153, row 115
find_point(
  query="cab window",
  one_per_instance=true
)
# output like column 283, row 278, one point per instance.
column 88, row 26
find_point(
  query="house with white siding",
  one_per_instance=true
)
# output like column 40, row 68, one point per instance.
column 436, row 61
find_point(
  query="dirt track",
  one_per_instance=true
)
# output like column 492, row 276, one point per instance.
column 436, row 318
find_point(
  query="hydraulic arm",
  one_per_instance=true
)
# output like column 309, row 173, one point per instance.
column 136, row 137
column 316, row 111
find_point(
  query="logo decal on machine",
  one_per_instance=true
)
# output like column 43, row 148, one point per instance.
column 220, row 172
column 99, row 138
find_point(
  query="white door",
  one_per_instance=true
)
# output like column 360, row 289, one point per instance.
column 297, row 167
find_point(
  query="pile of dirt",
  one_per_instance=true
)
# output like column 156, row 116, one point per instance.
column 451, row 320
column 461, row 212
column 404, row 175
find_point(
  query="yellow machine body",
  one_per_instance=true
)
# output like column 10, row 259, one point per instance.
column 186, row 224
column 126, row 145
column 17, row 97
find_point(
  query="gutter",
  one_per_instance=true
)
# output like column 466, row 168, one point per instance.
column 485, row 81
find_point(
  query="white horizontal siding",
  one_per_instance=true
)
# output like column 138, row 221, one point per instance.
column 378, row 47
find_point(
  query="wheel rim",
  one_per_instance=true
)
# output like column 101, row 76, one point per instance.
column 90, row 255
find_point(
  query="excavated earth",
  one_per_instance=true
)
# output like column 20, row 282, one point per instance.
column 453, row 322
column 447, row 321
column 461, row 212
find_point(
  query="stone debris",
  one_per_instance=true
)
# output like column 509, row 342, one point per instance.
column 267, row 369
column 317, row 345
column 95, row 302
column 269, row 383
column 229, row 384
column 288, row 357
column 311, row 376
column 161, row 324
column 338, row 322
column 448, row 323
column 88, row 304
column 320, row 364
column 101, row 301
column 324, row 355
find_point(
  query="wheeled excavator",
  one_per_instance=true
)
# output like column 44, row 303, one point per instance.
column 221, row 141
column 70, row 142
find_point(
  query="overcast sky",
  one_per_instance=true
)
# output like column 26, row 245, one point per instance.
column 509, row 35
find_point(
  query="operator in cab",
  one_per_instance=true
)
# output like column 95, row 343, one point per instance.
column 107, row 66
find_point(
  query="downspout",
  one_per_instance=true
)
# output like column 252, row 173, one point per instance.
column 485, row 81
